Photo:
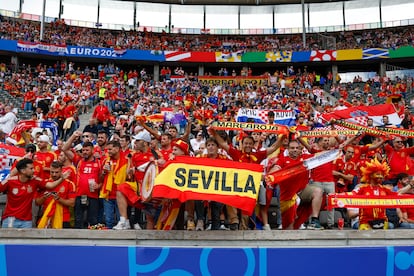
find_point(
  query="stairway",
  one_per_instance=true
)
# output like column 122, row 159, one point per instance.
column 17, row 103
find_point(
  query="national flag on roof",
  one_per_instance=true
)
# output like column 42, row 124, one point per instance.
column 361, row 114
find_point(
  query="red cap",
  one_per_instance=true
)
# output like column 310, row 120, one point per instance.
column 181, row 145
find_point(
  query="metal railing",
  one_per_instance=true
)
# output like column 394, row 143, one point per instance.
column 297, row 30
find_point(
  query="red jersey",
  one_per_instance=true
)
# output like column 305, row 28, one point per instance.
column 166, row 153
column 139, row 158
column 98, row 152
column 58, row 110
column 101, row 113
column 369, row 214
column 409, row 211
column 345, row 167
column 322, row 173
column 30, row 96
column 72, row 170
column 45, row 159
column 358, row 151
column 253, row 157
column 20, row 196
column 69, row 111
column 88, row 170
column 399, row 161
column 65, row 190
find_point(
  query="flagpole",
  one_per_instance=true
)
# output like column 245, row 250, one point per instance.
column 42, row 23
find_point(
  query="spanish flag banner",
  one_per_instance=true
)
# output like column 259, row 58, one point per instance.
column 115, row 176
column 52, row 216
column 155, row 118
column 362, row 201
column 188, row 178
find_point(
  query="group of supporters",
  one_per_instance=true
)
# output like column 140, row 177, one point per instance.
column 58, row 33
column 99, row 170
column 95, row 180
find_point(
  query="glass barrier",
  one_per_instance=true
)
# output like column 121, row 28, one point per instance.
column 338, row 28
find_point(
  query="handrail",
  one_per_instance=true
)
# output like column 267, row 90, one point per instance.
column 296, row 30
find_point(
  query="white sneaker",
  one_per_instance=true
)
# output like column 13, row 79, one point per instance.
column 223, row 227
column 208, row 228
column 280, row 227
column 266, row 227
column 200, row 225
column 137, row 226
column 122, row 225
column 302, row 227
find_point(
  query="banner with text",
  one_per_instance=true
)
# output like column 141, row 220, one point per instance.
column 279, row 129
column 282, row 117
column 188, row 178
column 212, row 80
column 363, row 201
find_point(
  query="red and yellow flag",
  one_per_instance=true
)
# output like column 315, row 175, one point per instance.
column 115, row 176
column 52, row 216
column 188, row 178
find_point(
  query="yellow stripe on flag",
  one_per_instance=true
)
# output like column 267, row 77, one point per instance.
column 229, row 182
column 354, row 54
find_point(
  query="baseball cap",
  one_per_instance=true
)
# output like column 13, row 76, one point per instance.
column 44, row 138
column 143, row 135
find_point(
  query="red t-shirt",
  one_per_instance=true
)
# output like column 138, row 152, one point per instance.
column 20, row 196
column 45, row 159
column 138, row 159
column 358, row 151
column 409, row 211
column 66, row 190
column 253, row 157
column 69, row 110
column 345, row 167
column 72, row 170
column 101, row 113
column 88, row 170
column 322, row 173
column 399, row 161
column 369, row 214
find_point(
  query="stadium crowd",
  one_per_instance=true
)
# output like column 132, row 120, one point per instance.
column 98, row 170
column 58, row 33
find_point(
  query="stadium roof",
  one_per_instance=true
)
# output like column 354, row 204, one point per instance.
column 233, row 2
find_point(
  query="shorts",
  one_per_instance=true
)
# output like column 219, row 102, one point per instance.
column 307, row 194
column 265, row 196
column 84, row 102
